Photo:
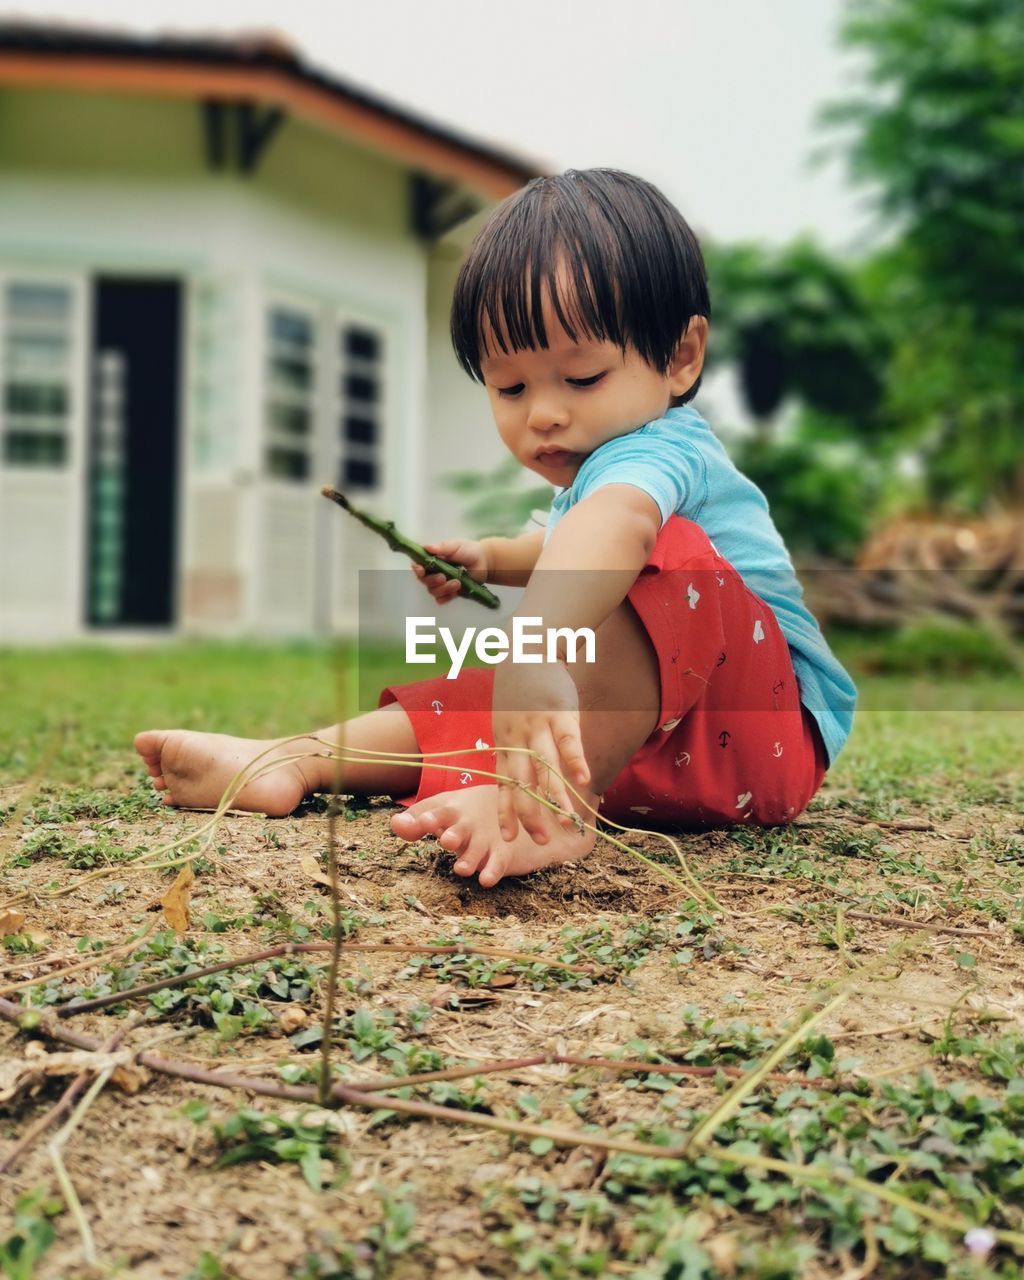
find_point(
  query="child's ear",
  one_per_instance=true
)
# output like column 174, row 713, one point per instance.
column 688, row 361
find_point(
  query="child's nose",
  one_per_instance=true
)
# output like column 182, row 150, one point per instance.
column 545, row 414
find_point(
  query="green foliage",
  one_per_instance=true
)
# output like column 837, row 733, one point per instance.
column 306, row 1138
column 31, row 1236
column 496, row 503
column 795, row 322
column 822, row 494
column 936, row 646
column 375, row 1255
column 937, row 129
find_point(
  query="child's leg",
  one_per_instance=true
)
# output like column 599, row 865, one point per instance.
column 194, row 769
column 465, row 820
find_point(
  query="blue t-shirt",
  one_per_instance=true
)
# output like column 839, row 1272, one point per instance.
column 683, row 466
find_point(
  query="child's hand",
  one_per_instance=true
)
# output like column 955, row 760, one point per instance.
column 536, row 707
column 456, row 551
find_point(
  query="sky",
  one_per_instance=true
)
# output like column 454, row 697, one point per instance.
column 714, row 100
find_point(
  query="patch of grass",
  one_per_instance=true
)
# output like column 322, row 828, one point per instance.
column 30, row 1235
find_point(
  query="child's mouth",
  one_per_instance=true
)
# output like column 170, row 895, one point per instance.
column 556, row 457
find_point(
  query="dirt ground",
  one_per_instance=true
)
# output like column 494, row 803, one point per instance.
column 145, row 1173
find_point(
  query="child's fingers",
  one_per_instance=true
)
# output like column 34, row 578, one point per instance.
column 565, row 729
column 516, row 766
column 449, row 551
column 508, row 823
column 547, row 781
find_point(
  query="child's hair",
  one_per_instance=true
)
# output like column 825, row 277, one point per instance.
column 633, row 270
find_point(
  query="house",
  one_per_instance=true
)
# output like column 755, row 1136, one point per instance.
column 217, row 266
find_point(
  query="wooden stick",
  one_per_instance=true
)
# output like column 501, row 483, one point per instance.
column 468, row 586
column 897, row 922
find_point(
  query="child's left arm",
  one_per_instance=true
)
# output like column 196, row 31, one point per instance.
column 582, row 575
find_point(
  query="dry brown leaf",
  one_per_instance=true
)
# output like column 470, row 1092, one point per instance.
column 292, row 1018
column 176, row 900
column 130, row 1078
column 311, row 867
column 11, row 922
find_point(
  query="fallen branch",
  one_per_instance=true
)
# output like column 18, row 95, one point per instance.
column 624, row 1066
column 890, row 824
column 810, row 1174
column 897, row 922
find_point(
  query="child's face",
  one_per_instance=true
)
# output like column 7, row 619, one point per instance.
column 554, row 407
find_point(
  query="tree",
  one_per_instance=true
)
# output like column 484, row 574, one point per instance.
column 937, row 127
column 794, row 322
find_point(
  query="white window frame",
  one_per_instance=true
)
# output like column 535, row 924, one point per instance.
column 69, row 374
column 343, row 407
column 271, row 437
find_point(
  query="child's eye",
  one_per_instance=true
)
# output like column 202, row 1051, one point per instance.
column 510, row 391
column 585, row 382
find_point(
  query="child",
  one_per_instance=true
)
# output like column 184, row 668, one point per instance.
column 713, row 698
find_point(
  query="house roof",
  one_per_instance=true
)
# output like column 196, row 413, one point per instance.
column 257, row 67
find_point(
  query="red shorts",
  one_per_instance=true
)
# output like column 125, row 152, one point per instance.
column 733, row 742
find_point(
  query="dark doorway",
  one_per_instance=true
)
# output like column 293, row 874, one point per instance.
column 133, row 453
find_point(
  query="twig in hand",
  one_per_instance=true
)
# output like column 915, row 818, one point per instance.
column 468, row 586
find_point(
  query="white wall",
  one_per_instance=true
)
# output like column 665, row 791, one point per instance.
column 321, row 221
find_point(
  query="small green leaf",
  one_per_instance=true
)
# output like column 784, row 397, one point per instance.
column 310, row 1164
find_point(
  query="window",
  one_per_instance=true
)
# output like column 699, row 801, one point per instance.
column 291, row 390
column 35, row 368
column 361, row 404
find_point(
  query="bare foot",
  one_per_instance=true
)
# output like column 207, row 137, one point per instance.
column 194, row 770
column 466, row 823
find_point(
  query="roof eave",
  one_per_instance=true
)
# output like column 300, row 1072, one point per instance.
column 325, row 106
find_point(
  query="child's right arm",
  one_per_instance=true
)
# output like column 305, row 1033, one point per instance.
column 507, row 562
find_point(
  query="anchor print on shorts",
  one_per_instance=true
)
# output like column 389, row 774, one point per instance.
column 723, row 738
column 777, row 750
column 682, row 758
column 438, row 706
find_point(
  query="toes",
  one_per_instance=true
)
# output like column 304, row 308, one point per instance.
column 454, row 839
column 416, row 822
column 470, row 860
column 149, row 745
column 406, row 825
column 495, row 867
